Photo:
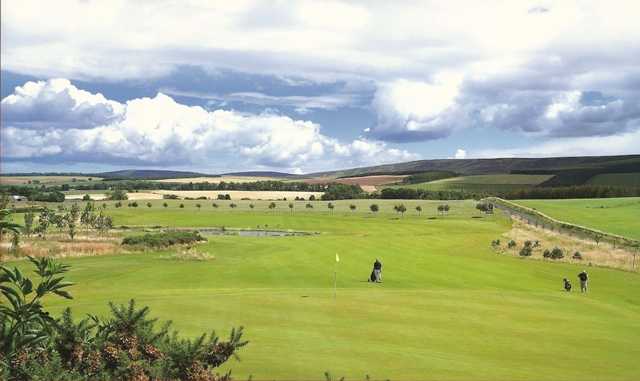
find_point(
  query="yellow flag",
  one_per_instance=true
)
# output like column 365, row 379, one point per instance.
column 337, row 258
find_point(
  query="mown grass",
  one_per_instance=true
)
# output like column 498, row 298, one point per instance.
column 615, row 215
column 488, row 183
column 449, row 307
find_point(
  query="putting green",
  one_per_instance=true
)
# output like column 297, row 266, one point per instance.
column 449, row 307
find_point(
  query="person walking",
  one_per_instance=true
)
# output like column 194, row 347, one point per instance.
column 583, row 280
column 377, row 270
column 567, row 285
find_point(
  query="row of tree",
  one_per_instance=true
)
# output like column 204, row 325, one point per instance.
column 68, row 220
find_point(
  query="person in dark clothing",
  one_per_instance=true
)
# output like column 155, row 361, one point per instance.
column 583, row 280
column 567, row 285
column 377, row 270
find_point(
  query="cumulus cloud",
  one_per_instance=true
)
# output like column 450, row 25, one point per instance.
column 57, row 102
column 410, row 110
column 460, row 154
column 622, row 144
column 161, row 131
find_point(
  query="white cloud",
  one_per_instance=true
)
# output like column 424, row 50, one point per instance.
column 58, row 102
column 409, row 110
column 160, row 131
column 623, row 144
column 460, row 154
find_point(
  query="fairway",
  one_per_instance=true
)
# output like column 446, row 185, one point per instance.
column 449, row 307
column 614, row 215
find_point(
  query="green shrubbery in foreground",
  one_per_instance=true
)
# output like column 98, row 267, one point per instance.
column 128, row 345
column 164, row 239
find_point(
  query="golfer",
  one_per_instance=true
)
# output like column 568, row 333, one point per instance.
column 583, row 280
column 377, row 270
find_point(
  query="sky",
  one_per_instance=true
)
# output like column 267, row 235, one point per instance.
column 306, row 86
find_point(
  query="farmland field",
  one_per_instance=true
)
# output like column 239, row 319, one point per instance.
column 235, row 195
column 449, row 308
column 47, row 180
column 482, row 183
column 617, row 179
column 615, row 215
column 217, row 179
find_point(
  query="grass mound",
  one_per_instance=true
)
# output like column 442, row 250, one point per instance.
column 165, row 239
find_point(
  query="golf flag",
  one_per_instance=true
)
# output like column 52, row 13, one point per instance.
column 337, row 258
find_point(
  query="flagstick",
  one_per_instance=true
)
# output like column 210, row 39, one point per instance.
column 335, row 281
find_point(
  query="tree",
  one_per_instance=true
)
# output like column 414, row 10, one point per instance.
column 28, row 223
column 6, row 224
column 374, row 208
column 15, row 243
column 87, row 216
column 71, row 219
column 181, row 206
column 233, row 205
column 43, row 222
column 330, row 206
column 291, row 207
column 164, row 204
column 86, row 197
column 352, row 207
column 309, row 206
column 400, row 209
column 215, row 206
column 118, row 194
column 312, row 198
column 446, row 208
column 419, row 209
column 24, row 325
column 272, row 205
column 148, row 205
column 251, row 206
column 198, row 206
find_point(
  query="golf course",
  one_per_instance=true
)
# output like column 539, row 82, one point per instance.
column 449, row 307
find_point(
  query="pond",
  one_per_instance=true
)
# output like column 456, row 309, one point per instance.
column 253, row 232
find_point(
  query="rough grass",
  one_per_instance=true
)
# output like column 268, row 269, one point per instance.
column 449, row 308
column 615, row 215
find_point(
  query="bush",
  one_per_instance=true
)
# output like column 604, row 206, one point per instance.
column 546, row 253
column 118, row 194
column 527, row 249
column 127, row 345
column 86, row 197
column 495, row 243
column 170, row 196
column 577, row 255
column 182, row 206
column 557, row 253
column 511, row 244
column 133, row 204
column 165, row 239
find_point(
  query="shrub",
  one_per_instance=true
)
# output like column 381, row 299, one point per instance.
column 557, row 253
column 577, row 255
column 170, row 196
column 148, row 205
column 127, row 345
column 165, row 239
column 118, row 194
column 526, row 250
column 118, row 204
column 86, row 197
column 546, row 253
column 495, row 243
column 133, row 204
column 308, row 206
column 182, row 206
column 374, row 208
column 165, row 204
column 511, row 244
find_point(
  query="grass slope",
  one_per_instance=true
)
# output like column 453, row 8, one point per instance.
column 616, row 179
column 487, row 183
column 449, row 308
column 616, row 215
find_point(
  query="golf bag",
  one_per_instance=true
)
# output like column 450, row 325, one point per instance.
column 372, row 277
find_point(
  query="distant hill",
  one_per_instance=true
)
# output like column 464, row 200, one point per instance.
column 149, row 174
column 260, row 174
column 567, row 170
